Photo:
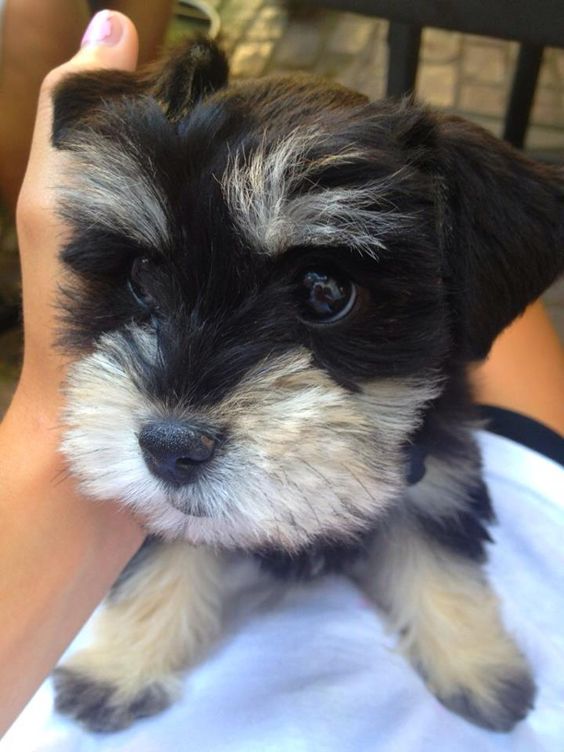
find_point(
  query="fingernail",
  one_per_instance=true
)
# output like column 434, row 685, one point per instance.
column 104, row 28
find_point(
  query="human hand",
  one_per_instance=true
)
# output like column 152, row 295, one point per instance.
column 109, row 42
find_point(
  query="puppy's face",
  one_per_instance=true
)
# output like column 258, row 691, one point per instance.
column 260, row 304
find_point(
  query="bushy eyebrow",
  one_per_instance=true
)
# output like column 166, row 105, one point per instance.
column 276, row 201
column 111, row 186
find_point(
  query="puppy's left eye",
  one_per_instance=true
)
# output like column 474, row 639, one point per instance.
column 139, row 281
column 326, row 296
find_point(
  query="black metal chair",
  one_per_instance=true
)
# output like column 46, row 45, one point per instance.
column 535, row 25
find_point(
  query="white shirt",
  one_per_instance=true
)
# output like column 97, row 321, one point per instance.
column 310, row 667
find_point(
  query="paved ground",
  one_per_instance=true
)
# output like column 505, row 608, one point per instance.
column 460, row 73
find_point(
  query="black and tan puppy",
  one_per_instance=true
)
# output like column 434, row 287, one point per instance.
column 275, row 289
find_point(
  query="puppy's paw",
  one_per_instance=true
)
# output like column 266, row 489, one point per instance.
column 496, row 701
column 99, row 706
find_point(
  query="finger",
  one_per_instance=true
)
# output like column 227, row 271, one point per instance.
column 110, row 41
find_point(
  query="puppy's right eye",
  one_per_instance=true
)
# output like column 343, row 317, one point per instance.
column 139, row 283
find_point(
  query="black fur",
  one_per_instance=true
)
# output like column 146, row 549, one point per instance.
column 515, row 700
column 506, row 244
column 487, row 241
column 465, row 534
column 469, row 232
column 192, row 71
column 95, row 705
column 321, row 559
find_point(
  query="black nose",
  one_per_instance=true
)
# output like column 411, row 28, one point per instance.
column 174, row 451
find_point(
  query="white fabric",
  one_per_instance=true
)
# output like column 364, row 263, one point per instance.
column 310, row 668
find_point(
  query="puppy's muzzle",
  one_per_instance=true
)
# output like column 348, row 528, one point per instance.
column 175, row 452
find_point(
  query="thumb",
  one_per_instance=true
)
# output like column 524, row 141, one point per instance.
column 110, row 41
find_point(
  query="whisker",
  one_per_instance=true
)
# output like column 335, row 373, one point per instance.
column 361, row 484
column 308, row 502
column 327, row 485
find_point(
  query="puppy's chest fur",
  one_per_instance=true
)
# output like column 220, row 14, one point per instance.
column 449, row 504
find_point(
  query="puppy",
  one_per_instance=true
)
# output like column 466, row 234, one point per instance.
column 275, row 289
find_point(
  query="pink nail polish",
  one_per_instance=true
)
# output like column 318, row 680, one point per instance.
column 104, row 28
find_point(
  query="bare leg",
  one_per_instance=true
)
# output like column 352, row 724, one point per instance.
column 159, row 622
column 525, row 370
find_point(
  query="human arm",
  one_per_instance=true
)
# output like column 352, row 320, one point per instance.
column 59, row 553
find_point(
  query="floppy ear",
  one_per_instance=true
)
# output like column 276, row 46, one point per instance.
column 502, row 229
column 190, row 71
